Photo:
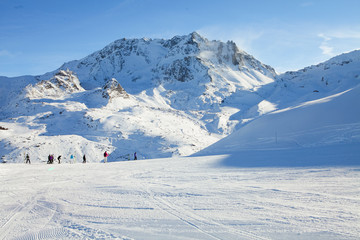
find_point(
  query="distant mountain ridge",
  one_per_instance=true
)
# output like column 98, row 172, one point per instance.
column 157, row 97
column 161, row 60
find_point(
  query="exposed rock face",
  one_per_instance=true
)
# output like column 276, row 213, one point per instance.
column 113, row 89
column 63, row 82
column 67, row 81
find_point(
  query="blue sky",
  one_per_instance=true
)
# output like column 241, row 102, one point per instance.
column 38, row 36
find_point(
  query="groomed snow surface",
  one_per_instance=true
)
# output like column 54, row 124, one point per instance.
column 182, row 198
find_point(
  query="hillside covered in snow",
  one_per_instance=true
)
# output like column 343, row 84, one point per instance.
column 316, row 121
column 164, row 98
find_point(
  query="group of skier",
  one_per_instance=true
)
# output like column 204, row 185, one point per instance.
column 51, row 159
column 72, row 158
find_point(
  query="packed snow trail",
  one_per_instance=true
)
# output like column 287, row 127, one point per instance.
column 184, row 198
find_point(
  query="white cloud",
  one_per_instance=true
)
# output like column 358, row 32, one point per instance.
column 337, row 41
column 326, row 38
column 324, row 46
column 327, row 50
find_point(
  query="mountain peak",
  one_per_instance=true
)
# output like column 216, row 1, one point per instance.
column 144, row 63
column 197, row 37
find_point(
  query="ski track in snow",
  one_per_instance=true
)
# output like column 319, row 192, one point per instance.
column 185, row 198
column 203, row 225
column 31, row 209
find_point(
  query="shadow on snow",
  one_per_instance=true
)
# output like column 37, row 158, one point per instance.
column 335, row 155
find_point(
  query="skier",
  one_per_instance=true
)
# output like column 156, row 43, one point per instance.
column 27, row 159
column 105, row 156
column 135, row 157
column 59, row 159
column 84, row 159
column 49, row 159
column 72, row 158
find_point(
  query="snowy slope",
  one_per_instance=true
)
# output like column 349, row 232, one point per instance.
column 336, row 75
column 321, row 131
column 177, row 198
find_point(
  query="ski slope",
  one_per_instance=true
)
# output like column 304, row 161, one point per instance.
column 289, row 167
column 178, row 198
column 325, row 131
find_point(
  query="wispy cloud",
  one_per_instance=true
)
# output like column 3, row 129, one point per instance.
column 324, row 46
column 326, row 38
column 306, row 4
column 244, row 37
column 6, row 53
column 346, row 33
column 333, row 42
column 327, row 50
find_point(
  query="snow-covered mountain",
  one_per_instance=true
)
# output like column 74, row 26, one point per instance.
column 316, row 120
column 140, row 64
column 157, row 97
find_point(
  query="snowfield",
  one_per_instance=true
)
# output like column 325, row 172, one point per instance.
column 178, row 198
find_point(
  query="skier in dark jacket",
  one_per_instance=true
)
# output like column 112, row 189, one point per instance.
column 27, row 159
column 135, row 157
column 59, row 159
column 84, row 159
